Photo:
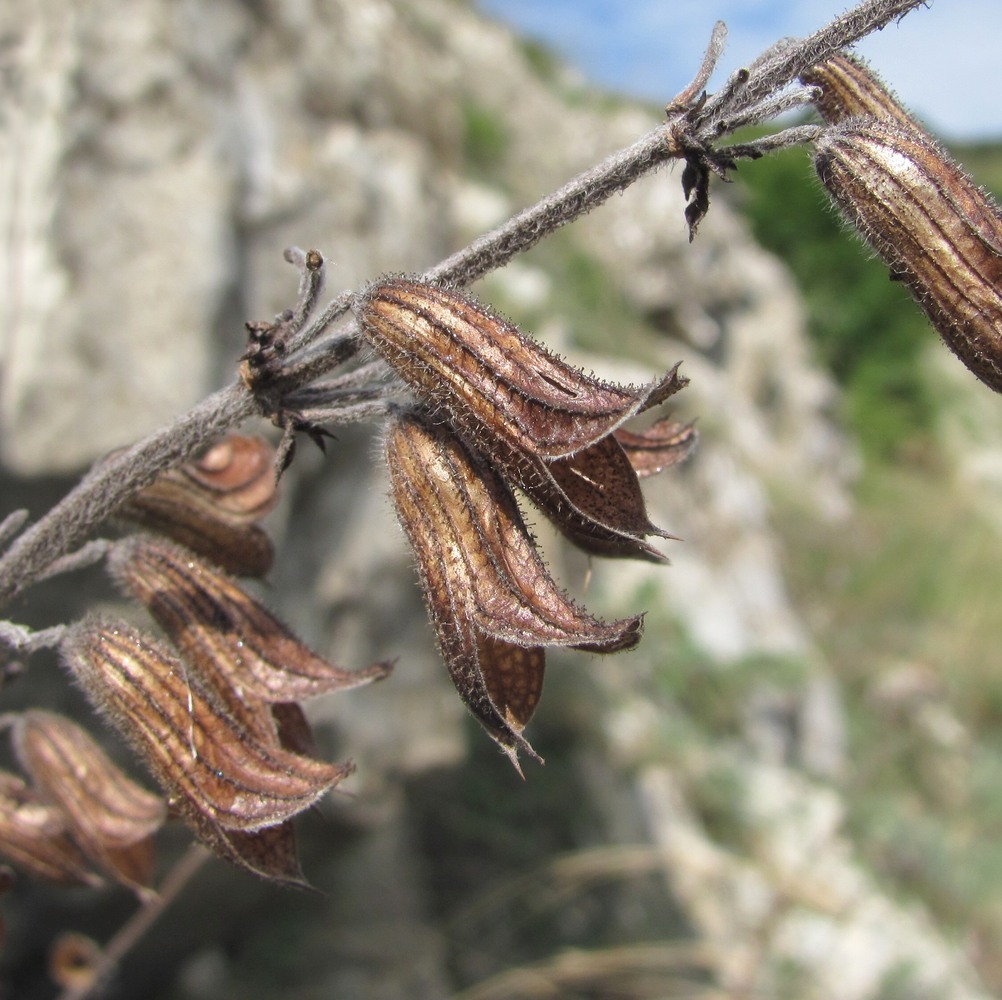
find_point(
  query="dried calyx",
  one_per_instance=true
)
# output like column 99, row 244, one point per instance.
column 219, row 726
column 498, row 413
column 937, row 231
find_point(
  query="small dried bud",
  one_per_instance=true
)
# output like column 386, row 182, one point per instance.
column 211, row 505
column 73, row 963
column 495, row 384
column 490, row 596
column 230, row 638
column 33, row 836
column 111, row 817
column 204, row 760
column 849, row 89
column 936, row 230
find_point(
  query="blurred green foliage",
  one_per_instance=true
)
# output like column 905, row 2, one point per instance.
column 485, row 141
column 865, row 327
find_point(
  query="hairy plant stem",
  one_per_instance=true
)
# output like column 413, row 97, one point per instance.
column 690, row 121
column 140, row 922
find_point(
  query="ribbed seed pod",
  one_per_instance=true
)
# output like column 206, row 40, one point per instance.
column 936, row 230
column 849, row 88
column 494, row 383
column 490, row 596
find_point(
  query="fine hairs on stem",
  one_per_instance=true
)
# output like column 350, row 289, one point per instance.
column 688, row 128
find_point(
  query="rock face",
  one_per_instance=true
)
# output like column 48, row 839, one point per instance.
column 156, row 158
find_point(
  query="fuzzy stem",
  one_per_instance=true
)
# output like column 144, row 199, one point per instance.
column 112, row 482
column 140, row 922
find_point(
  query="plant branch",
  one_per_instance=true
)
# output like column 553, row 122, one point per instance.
column 140, row 922
column 113, row 481
column 690, row 124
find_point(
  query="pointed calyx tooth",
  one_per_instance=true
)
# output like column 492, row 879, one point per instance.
column 495, row 383
column 490, row 596
column 212, row 505
column 664, row 444
column 206, row 762
column 935, row 229
column 223, row 632
column 593, row 498
column 34, row 838
column 848, row 88
column 111, row 817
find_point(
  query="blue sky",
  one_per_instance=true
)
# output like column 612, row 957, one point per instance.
column 942, row 61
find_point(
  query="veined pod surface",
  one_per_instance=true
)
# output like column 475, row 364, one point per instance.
column 489, row 594
column 936, row 230
column 494, row 382
column 849, row 88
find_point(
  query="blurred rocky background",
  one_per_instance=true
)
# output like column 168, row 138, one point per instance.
column 789, row 790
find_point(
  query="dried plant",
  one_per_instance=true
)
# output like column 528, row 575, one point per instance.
column 475, row 414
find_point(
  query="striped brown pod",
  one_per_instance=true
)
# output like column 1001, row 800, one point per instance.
column 930, row 223
column 848, row 88
column 496, row 384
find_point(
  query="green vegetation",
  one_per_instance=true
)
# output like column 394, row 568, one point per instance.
column 866, row 329
column 485, row 140
column 909, row 590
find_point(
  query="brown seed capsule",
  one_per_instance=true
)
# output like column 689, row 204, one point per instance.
column 111, row 817
column 221, row 630
column 491, row 599
column 198, row 753
column 936, row 230
column 33, row 836
column 849, row 88
column 463, row 509
column 495, row 384
column 211, row 505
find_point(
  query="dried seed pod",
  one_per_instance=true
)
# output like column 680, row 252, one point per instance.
column 495, row 384
column 198, row 753
column 936, row 230
column 33, row 836
column 848, row 88
column 489, row 594
column 230, row 638
column 112, row 818
column 463, row 509
column 211, row 505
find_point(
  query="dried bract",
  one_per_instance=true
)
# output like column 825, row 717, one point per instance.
column 936, row 230
column 211, row 505
column 112, row 818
